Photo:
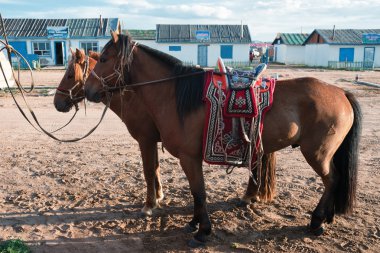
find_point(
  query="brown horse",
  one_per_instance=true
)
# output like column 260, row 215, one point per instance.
column 139, row 123
column 323, row 120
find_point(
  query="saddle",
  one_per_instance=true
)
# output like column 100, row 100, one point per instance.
column 236, row 102
column 232, row 79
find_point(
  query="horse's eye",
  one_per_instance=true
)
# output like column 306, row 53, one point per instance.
column 70, row 76
column 102, row 59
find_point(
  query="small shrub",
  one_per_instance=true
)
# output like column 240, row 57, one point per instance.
column 14, row 246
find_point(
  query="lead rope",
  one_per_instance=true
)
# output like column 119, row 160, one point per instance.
column 10, row 49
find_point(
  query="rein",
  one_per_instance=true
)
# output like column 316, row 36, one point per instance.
column 107, row 88
column 118, row 73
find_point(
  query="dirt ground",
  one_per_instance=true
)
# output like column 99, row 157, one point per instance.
column 86, row 196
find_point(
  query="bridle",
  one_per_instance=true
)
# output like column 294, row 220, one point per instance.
column 69, row 92
column 118, row 73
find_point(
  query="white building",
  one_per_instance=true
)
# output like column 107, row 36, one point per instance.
column 343, row 48
column 289, row 49
column 203, row 44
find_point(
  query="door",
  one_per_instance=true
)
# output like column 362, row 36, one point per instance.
column 202, row 55
column 59, row 52
column 275, row 54
column 369, row 57
column 346, row 54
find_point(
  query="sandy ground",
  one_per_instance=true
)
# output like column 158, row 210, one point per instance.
column 87, row 196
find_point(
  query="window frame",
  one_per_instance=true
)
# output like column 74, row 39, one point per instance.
column 230, row 55
column 175, row 48
column 47, row 43
column 92, row 46
column 347, row 49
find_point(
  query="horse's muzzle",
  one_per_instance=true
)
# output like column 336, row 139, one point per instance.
column 94, row 95
column 63, row 105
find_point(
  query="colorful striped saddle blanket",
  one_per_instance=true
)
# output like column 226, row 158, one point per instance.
column 234, row 119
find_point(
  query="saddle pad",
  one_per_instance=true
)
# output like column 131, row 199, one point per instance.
column 223, row 141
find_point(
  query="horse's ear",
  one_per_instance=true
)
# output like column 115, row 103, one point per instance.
column 115, row 37
column 93, row 55
column 79, row 55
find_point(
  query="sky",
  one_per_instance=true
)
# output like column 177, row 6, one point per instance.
column 265, row 18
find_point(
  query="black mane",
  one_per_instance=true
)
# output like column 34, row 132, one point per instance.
column 188, row 91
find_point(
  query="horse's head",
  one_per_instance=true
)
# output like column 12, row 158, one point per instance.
column 111, row 69
column 70, row 91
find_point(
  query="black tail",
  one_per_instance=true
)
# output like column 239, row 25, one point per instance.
column 267, row 189
column 346, row 162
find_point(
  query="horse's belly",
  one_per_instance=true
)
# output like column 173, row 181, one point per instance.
column 278, row 134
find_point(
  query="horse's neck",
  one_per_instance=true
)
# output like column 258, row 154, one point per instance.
column 159, row 98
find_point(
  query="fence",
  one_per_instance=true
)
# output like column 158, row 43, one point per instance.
column 358, row 65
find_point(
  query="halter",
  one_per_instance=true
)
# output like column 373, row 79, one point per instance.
column 118, row 72
column 73, row 98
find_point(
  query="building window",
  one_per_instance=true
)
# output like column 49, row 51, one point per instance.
column 226, row 51
column 41, row 48
column 174, row 48
column 87, row 46
column 346, row 54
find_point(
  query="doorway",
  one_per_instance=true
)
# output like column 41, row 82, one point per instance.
column 369, row 57
column 59, row 52
column 202, row 55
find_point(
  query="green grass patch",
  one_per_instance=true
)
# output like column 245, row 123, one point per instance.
column 14, row 246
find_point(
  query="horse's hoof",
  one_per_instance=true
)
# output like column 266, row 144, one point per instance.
column 194, row 243
column 318, row 231
column 242, row 203
column 143, row 215
column 190, row 229
column 146, row 212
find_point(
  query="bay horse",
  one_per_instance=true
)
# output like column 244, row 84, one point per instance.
column 139, row 124
column 322, row 119
column 142, row 128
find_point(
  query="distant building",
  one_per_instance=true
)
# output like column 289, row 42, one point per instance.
column 203, row 44
column 49, row 40
column 343, row 47
column 146, row 37
column 289, row 49
column 198, row 44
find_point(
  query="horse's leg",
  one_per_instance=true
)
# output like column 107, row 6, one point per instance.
column 193, row 170
column 157, row 179
column 252, row 192
column 267, row 181
column 323, row 165
column 150, row 165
